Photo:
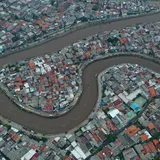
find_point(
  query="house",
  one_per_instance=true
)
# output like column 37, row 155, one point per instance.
column 152, row 92
column 28, row 155
column 132, row 130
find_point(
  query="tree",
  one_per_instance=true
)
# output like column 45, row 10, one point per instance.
column 106, row 111
column 90, row 119
column 111, row 138
column 8, row 126
column 34, row 16
column 151, row 53
column 16, row 17
column 112, row 40
column 15, row 38
column 78, row 63
column 104, row 88
column 103, row 52
column 44, row 139
column 10, row 66
column 77, row 9
column 95, row 8
column 68, row 153
column 17, row 69
column 84, row 19
column 52, row 2
column 109, row 40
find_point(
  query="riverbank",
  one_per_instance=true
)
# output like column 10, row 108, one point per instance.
column 71, row 29
column 77, row 116
column 56, row 44
column 72, row 103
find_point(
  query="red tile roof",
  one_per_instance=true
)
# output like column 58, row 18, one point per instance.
column 152, row 92
column 48, row 108
column 67, row 158
column 146, row 149
column 96, row 138
column 106, row 151
column 151, row 126
column 117, row 102
column 100, row 155
column 132, row 130
column 152, row 147
column 31, row 64
column 35, row 156
column 144, row 137
column 123, row 40
column 111, row 125
column 155, row 141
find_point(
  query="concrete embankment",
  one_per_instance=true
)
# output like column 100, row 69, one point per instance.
column 58, row 43
column 86, row 102
column 70, row 29
column 88, row 99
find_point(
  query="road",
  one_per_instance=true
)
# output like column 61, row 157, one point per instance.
column 84, row 106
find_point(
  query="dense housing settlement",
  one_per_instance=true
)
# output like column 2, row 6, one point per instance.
column 126, row 124
column 28, row 22
column 50, row 85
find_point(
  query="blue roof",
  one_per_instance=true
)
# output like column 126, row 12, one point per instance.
column 103, row 103
column 135, row 107
column 21, row 62
column 60, row 109
column 134, row 157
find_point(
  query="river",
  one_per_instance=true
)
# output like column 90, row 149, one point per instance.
column 81, row 111
column 61, row 42
column 89, row 96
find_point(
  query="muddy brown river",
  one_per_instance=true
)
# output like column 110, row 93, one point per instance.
column 89, row 96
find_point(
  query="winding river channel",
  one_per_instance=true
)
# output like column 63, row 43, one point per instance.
column 89, row 96
column 84, row 106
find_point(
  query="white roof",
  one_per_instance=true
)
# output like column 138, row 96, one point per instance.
column 26, row 85
column 17, row 89
column 1, row 139
column 14, row 129
column 113, row 112
column 114, row 98
column 1, row 47
column 148, row 134
column 152, row 82
column 27, row 90
column 133, row 94
column 80, row 152
column 123, row 97
column 43, row 71
column 140, row 83
column 57, row 139
column 75, row 153
column 74, row 144
column 68, row 136
column 107, row 92
column 47, row 67
column 38, row 70
column 101, row 115
column 104, row 131
column 28, row 155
